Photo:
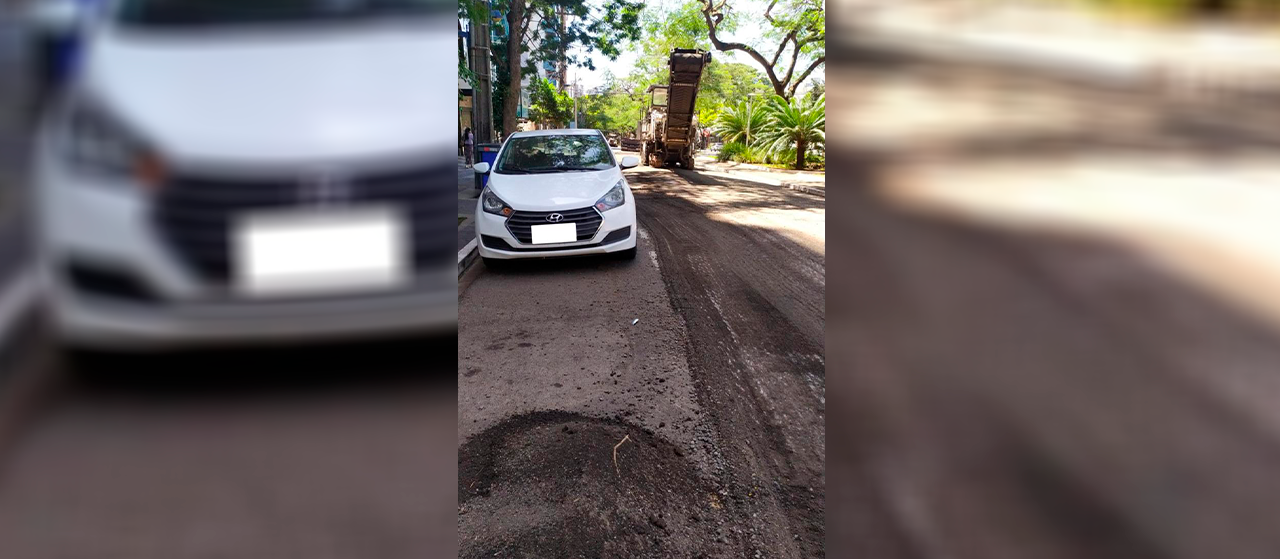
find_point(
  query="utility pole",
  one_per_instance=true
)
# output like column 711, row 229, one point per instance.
column 482, row 94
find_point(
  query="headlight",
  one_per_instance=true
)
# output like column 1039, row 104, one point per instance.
column 493, row 204
column 94, row 144
column 615, row 197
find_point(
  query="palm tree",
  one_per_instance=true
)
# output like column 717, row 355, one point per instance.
column 741, row 123
column 799, row 123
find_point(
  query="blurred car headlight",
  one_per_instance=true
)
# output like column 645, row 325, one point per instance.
column 494, row 205
column 613, row 198
column 93, row 143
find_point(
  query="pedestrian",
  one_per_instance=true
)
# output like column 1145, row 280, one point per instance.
column 468, row 142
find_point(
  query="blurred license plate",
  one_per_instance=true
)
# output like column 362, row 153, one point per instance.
column 308, row 251
column 556, row 233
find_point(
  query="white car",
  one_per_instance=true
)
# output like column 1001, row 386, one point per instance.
column 556, row 193
column 246, row 171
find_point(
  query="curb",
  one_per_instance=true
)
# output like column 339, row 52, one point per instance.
column 811, row 190
column 467, row 257
column 819, row 192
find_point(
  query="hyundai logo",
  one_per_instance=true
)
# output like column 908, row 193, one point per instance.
column 555, row 218
column 325, row 189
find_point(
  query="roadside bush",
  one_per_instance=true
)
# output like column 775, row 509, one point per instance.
column 731, row 151
column 755, row 154
column 797, row 126
column 783, row 156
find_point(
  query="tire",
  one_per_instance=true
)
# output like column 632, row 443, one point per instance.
column 629, row 254
column 687, row 162
column 495, row 264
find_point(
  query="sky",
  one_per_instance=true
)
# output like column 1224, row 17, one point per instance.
column 749, row 31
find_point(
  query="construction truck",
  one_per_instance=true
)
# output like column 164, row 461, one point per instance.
column 669, row 130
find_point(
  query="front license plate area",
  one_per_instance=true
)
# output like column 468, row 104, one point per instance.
column 316, row 251
column 555, row 233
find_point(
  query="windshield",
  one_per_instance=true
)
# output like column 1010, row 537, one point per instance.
column 660, row 97
column 236, row 12
column 554, row 154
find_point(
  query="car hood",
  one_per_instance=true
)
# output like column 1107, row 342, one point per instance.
column 558, row 191
column 295, row 95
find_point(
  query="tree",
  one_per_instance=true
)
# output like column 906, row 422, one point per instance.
column 549, row 107
column 611, row 110
column 742, row 123
column 684, row 27
column 817, row 87
column 797, row 123
column 546, row 30
column 798, row 26
column 726, row 83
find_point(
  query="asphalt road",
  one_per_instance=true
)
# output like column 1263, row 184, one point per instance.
column 714, row 398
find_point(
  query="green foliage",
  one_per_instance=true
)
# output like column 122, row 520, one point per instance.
column 793, row 44
column 549, row 107
column 594, row 26
column 732, row 151
column 796, row 125
column 743, row 122
column 552, row 30
column 611, row 111
column 729, row 82
column 817, row 88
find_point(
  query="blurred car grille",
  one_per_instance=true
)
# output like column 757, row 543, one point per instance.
column 195, row 214
column 521, row 223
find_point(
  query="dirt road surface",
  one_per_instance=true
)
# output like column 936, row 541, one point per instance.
column 1047, row 341
column 713, row 401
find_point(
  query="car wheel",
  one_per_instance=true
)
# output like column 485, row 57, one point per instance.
column 629, row 254
column 494, row 264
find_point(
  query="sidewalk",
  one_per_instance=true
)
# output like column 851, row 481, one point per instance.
column 809, row 182
column 466, row 204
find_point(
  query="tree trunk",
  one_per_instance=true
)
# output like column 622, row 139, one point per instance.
column 800, row 154
column 562, row 67
column 515, row 45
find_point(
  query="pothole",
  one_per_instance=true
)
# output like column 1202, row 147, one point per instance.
column 544, row 484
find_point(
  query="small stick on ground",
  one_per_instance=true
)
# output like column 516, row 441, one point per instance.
column 625, row 438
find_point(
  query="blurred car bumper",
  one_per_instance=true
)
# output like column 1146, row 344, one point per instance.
column 84, row 322
column 113, row 282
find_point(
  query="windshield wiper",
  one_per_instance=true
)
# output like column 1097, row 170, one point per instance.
column 514, row 172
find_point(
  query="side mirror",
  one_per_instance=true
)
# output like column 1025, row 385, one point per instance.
column 481, row 167
column 629, row 162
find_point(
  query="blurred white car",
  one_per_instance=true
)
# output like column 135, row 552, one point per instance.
column 243, row 171
column 556, row 193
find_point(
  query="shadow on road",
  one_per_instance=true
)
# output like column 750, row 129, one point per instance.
column 731, row 194
column 344, row 368
column 1003, row 393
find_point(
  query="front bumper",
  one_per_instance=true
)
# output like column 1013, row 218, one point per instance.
column 110, row 225
column 493, row 226
column 100, row 324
